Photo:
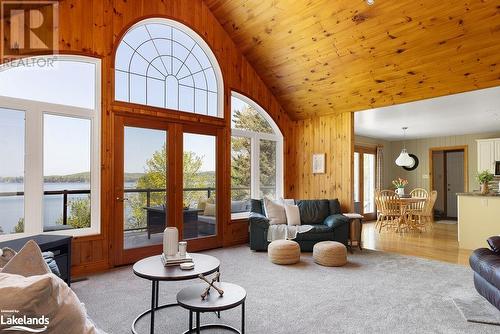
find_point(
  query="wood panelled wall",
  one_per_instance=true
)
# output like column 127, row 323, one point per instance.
column 332, row 135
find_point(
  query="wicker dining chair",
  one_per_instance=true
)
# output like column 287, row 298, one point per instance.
column 425, row 217
column 389, row 211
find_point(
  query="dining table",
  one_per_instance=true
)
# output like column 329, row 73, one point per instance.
column 405, row 217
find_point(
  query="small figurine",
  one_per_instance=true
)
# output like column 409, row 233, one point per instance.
column 210, row 285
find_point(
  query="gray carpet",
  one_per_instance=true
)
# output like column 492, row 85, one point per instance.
column 478, row 309
column 375, row 293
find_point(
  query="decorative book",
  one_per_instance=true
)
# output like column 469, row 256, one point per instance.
column 175, row 260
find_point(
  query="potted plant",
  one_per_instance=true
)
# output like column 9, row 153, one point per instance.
column 400, row 185
column 484, row 178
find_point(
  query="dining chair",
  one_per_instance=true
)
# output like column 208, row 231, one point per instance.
column 388, row 204
column 420, row 193
column 425, row 217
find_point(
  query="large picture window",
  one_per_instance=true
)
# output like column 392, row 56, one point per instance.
column 256, row 153
column 50, row 144
column 163, row 63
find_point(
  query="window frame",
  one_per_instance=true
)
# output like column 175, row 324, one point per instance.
column 198, row 39
column 33, row 158
column 255, row 138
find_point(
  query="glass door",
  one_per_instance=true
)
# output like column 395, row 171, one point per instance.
column 141, row 188
column 200, row 206
column 162, row 181
column 364, row 182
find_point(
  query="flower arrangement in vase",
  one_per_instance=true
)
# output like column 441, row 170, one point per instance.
column 484, row 178
column 400, row 185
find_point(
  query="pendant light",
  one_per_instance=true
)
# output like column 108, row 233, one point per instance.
column 404, row 159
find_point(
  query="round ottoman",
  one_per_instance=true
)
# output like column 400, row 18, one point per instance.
column 283, row 252
column 330, row 254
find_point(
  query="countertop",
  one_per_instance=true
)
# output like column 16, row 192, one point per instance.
column 478, row 194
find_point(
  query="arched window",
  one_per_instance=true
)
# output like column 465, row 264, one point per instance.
column 50, row 126
column 163, row 63
column 256, row 152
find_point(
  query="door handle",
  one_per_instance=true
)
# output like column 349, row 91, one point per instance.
column 121, row 199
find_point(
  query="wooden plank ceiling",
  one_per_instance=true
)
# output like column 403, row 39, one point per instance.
column 330, row 56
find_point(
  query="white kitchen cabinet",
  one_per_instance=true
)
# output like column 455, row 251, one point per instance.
column 497, row 150
column 486, row 151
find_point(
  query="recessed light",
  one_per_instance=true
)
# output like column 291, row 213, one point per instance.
column 370, row 2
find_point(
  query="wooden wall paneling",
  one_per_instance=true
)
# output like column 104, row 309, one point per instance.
column 333, row 136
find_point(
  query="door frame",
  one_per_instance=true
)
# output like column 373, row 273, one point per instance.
column 175, row 130
column 360, row 149
column 446, row 149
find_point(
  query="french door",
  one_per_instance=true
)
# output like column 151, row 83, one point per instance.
column 364, row 181
column 165, row 174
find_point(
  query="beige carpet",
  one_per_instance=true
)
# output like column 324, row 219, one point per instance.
column 375, row 293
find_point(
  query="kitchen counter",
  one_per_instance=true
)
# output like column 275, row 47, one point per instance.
column 478, row 219
column 478, row 194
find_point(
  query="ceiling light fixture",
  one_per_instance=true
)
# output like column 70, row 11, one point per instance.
column 370, row 2
column 404, row 159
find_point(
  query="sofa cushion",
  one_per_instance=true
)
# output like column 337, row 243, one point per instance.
column 313, row 211
column 44, row 296
column 319, row 232
column 336, row 220
column 256, row 206
column 334, row 205
column 486, row 263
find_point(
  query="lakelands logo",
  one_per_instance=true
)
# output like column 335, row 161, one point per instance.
column 23, row 323
column 28, row 27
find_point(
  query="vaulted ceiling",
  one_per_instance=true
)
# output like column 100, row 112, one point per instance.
column 331, row 56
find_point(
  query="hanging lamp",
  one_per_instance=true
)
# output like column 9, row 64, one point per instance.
column 404, row 159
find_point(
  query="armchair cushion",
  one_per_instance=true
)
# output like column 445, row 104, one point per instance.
column 336, row 220
column 313, row 211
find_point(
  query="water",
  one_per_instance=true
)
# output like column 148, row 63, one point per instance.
column 12, row 208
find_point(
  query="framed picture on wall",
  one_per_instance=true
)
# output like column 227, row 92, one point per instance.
column 318, row 163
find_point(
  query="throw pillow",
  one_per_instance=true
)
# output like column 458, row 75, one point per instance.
column 6, row 254
column 28, row 262
column 201, row 205
column 494, row 243
column 209, row 209
column 44, row 296
column 292, row 214
column 275, row 212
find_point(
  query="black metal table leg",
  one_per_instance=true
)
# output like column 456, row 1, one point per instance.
column 154, row 305
column 218, row 280
column 190, row 321
column 243, row 318
column 198, row 322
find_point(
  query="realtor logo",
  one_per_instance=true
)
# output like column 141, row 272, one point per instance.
column 29, row 27
column 11, row 320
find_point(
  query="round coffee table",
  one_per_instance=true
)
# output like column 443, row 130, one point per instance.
column 190, row 299
column 151, row 268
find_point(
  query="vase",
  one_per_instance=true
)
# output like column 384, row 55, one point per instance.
column 170, row 241
column 485, row 188
column 400, row 191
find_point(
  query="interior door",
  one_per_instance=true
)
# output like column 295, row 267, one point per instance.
column 454, row 181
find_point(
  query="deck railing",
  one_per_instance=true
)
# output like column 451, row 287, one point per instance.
column 148, row 192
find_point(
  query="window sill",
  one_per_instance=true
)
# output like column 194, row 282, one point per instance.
column 83, row 232
column 240, row 217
